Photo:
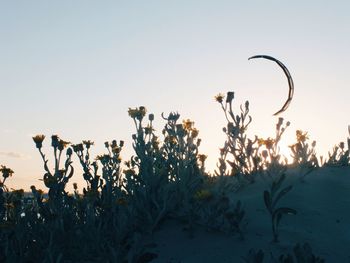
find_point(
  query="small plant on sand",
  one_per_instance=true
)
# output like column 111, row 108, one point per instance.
column 271, row 199
column 301, row 254
column 216, row 212
column 273, row 162
column 240, row 152
column 339, row 156
column 304, row 154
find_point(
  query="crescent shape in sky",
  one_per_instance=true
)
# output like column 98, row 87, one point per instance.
column 289, row 77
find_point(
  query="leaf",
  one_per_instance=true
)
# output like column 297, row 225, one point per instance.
column 268, row 201
column 281, row 211
column 277, row 185
column 281, row 194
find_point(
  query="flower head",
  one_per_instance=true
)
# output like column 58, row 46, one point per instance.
column 137, row 113
column 187, row 124
column 203, row 195
column 38, row 139
column 301, row 136
column 62, row 144
column 202, row 157
column 88, row 143
column 6, row 172
column 219, row 98
column 194, row 132
column 78, row 147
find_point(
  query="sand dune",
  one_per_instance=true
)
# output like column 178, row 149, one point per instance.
column 323, row 220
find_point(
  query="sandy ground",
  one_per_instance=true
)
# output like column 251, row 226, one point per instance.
column 323, row 220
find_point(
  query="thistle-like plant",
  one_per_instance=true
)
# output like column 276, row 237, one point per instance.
column 271, row 199
column 240, row 152
column 6, row 173
column 339, row 156
column 147, row 177
column 304, row 154
column 56, row 181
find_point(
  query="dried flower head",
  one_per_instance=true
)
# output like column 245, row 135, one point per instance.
column 137, row 113
column 104, row 159
column 121, row 201
column 194, row 133
column 203, row 195
column 62, row 144
column 148, row 130
column 301, row 136
column 88, row 143
column 38, row 139
column 187, row 124
column 202, row 157
column 6, row 172
column 78, row 147
column 219, row 98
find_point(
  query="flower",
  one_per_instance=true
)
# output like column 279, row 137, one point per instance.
column 301, row 136
column 121, row 201
column 269, row 143
column 187, row 124
column 173, row 116
column 116, row 149
column 203, row 195
column 132, row 113
column 6, row 172
column 78, row 147
column 104, row 159
column 88, row 143
column 148, row 130
column 38, row 139
column 137, row 113
column 202, row 157
column 220, row 97
column 194, row 132
column 171, row 139
column 62, row 144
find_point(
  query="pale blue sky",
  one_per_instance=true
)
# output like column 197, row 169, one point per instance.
column 74, row 67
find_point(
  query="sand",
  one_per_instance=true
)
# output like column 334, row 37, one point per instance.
column 323, row 220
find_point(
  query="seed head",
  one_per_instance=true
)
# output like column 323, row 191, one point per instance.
column 38, row 139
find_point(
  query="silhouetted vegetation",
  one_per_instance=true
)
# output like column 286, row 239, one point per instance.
column 124, row 202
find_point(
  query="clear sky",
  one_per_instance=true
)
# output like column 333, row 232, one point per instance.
column 73, row 68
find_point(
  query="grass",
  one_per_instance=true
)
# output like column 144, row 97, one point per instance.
column 125, row 202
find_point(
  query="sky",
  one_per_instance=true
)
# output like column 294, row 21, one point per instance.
column 73, row 68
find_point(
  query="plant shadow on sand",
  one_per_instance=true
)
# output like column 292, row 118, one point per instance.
column 162, row 205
